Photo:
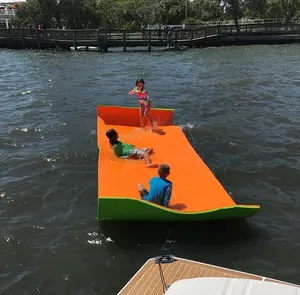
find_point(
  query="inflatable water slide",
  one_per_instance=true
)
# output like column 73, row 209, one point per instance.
column 197, row 194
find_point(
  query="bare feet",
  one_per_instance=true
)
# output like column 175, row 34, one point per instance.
column 152, row 166
column 154, row 126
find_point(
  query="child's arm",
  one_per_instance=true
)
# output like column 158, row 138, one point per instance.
column 168, row 195
column 147, row 196
column 133, row 91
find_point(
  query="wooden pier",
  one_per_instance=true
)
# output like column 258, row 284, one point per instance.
column 215, row 35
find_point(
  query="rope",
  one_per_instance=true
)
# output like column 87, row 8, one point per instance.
column 161, row 273
column 162, row 278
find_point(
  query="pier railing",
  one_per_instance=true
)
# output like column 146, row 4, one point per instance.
column 104, row 39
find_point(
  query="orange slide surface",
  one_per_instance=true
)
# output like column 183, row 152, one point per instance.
column 195, row 188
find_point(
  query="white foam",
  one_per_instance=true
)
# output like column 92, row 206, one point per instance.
column 109, row 240
column 97, row 242
column 50, row 160
column 25, row 92
column 187, row 125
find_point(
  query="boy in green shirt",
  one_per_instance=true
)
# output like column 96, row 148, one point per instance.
column 124, row 150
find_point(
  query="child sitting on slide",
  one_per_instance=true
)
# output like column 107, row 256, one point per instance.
column 160, row 188
column 124, row 150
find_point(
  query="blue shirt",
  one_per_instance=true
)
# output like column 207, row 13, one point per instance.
column 160, row 191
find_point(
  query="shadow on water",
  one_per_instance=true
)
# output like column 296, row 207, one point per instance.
column 221, row 232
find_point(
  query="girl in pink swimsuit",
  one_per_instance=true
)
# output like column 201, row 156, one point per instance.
column 145, row 104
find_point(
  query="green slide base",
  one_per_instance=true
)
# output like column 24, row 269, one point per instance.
column 117, row 209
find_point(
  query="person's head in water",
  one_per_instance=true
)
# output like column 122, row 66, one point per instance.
column 113, row 136
column 164, row 170
column 140, row 83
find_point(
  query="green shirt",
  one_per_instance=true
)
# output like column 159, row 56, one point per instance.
column 122, row 149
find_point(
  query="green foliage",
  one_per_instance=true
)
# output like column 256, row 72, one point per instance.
column 116, row 14
column 207, row 10
column 254, row 8
column 28, row 13
column 274, row 9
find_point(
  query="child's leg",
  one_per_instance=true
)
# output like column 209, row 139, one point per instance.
column 149, row 150
column 148, row 114
column 143, row 154
column 150, row 120
column 142, row 111
column 147, row 159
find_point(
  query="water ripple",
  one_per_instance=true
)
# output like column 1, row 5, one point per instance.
column 239, row 108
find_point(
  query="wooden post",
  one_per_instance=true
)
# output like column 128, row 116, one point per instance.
column 105, row 49
column 37, row 38
column 87, row 40
column 45, row 36
column 74, row 40
column 149, row 40
column 55, row 40
column 9, row 38
column 98, row 41
column 23, row 39
column 176, row 37
column 124, row 41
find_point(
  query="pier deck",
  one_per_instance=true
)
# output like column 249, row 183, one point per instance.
column 213, row 35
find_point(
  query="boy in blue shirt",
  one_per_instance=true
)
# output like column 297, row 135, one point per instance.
column 160, row 188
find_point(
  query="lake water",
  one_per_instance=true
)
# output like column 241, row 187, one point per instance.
column 240, row 109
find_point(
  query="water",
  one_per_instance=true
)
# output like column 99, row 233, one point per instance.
column 239, row 107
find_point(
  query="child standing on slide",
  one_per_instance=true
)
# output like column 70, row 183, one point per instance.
column 127, row 151
column 144, row 100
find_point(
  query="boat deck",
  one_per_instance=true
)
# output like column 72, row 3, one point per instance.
column 147, row 281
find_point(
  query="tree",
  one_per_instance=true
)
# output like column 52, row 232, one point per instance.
column 254, row 8
column 290, row 8
column 171, row 11
column 116, row 14
column 109, row 13
column 274, row 9
column 233, row 6
column 206, row 10
column 29, row 14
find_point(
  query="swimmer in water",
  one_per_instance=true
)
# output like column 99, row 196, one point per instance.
column 145, row 104
column 128, row 151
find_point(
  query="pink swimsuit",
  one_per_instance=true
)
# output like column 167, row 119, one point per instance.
column 142, row 96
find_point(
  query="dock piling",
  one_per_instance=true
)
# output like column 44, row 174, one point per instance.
column 23, row 39
column 74, row 40
column 9, row 38
column 149, row 40
column 124, row 41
